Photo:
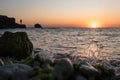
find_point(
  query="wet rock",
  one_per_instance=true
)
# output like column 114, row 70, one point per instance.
column 59, row 56
column 63, row 69
column 106, row 73
column 15, row 72
column 115, row 62
column 79, row 77
column 89, row 71
column 46, row 54
column 37, row 61
column 1, row 62
column 7, row 60
column 15, row 45
column 37, row 50
column 116, row 78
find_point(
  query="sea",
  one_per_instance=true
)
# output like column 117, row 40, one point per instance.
column 73, row 40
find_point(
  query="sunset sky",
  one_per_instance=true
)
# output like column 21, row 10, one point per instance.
column 65, row 13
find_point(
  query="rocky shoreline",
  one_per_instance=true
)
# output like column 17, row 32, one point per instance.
column 24, row 63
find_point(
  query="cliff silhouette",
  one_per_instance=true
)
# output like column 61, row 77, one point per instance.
column 9, row 22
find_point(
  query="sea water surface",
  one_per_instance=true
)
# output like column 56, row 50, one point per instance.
column 71, row 40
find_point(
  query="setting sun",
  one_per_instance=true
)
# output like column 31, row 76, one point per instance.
column 94, row 25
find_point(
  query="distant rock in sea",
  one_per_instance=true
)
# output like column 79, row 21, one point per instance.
column 7, row 22
column 38, row 25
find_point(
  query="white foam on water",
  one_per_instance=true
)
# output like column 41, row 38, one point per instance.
column 93, row 50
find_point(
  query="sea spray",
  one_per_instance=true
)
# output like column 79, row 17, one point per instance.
column 93, row 50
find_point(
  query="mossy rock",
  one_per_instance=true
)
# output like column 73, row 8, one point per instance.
column 36, row 71
column 15, row 45
column 28, row 61
column 76, row 68
column 47, row 69
column 36, row 61
column 42, row 74
column 106, row 72
column 47, row 76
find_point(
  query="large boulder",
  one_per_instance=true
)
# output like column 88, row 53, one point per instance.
column 15, row 45
column 64, row 69
column 15, row 72
column 89, row 71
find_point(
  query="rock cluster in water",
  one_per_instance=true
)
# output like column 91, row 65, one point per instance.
column 6, row 23
column 41, row 67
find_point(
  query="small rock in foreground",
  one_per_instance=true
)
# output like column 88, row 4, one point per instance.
column 63, row 69
column 88, row 70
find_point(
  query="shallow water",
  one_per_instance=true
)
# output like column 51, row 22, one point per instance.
column 64, row 40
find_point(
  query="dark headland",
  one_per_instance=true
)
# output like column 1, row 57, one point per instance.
column 10, row 22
